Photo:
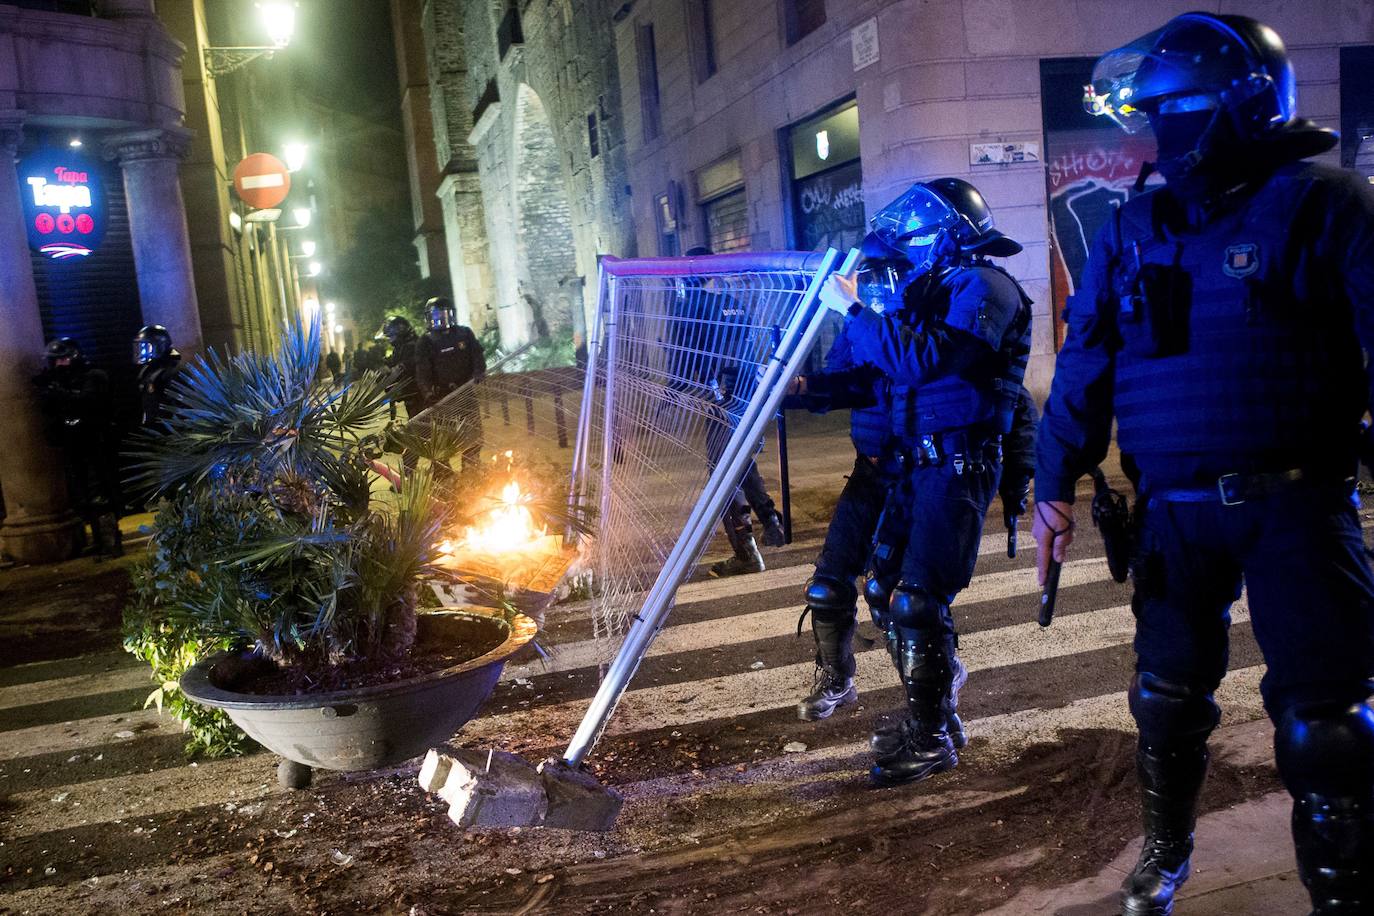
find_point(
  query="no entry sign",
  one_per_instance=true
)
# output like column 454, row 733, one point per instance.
column 261, row 181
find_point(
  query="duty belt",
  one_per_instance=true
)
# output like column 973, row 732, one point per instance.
column 1234, row 489
column 963, row 449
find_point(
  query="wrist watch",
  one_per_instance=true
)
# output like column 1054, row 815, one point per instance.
column 855, row 308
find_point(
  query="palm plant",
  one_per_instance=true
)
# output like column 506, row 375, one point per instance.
column 271, row 535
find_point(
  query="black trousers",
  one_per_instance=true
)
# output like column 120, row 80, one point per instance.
column 1301, row 557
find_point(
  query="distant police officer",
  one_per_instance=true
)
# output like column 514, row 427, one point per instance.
column 449, row 356
column 77, row 408
column 1224, row 321
column 158, row 365
column 708, row 329
column 954, row 369
column 402, row 362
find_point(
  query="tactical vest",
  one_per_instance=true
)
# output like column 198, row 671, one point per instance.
column 1231, row 340
column 452, row 358
column 983, row 395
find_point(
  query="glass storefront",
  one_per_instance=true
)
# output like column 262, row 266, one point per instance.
column 827, row 180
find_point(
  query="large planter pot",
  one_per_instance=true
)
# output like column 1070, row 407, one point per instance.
column 369, row 727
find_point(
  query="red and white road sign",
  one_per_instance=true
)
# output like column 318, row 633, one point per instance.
column 262, row 180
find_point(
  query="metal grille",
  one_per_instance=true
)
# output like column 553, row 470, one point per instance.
column 690, row 359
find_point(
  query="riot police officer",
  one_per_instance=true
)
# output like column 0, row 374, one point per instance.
column 447, row 357
column 1224, row 321
column 402, row 362
column 844, row 383
column 158, row 364
column 953, row 371
column 76, row 403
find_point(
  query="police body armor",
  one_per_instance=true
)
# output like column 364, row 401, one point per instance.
column 1230, row 340
column 453, row 358
column 982, row 395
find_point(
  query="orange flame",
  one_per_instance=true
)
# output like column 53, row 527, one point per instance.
column 509, row 526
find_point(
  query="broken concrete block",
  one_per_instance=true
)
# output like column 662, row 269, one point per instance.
column 508, row 793
column 438, row 764
column 576, row 801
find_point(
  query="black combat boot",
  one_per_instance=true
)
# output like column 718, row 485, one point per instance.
column 834, row 670
column 925, row 662
column 1169, row 785
column 773, row 535
column 1334, row 839
column 886, row 740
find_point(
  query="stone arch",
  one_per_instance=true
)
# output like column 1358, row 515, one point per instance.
column 545, row 254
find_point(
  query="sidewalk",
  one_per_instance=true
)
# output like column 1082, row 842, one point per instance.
column 1243, row 862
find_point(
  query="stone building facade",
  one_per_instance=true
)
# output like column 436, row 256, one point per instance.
column 527, row 126
column 737, row 114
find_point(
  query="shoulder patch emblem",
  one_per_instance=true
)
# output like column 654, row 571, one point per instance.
column 1240, row 261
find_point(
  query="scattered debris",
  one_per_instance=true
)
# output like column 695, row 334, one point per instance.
column 340, row 858
column 756, row 666
column 793, row 747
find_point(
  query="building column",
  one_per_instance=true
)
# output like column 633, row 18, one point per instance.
column 465, row 235
column 157, row 226
column 39, row 526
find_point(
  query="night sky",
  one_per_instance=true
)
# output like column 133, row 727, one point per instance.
column 346, row 56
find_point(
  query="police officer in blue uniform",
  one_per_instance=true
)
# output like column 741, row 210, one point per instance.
column 1224, row 321
column 846, row 383
column 953, row 371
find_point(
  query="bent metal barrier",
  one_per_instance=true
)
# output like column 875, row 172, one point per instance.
column 687, row 364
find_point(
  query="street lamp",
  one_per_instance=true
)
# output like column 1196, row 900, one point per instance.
column 302, row 216
column 308, row 248
column 329, row 308
column 278, row 19
column 294, row 153
column 315, row 268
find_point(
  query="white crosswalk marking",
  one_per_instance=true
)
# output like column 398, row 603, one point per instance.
column 744, row 620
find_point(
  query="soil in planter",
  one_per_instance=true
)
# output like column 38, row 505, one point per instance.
column 445, row 641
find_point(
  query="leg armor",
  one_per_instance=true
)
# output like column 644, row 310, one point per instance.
column 1325, row 755
column 1171, row 762
column 923, row 651
column 887, row 739
column 832, row 605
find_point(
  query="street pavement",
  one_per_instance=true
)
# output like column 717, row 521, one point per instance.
column 722, row 681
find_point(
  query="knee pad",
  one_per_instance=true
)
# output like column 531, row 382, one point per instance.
column 1172, row 714
column 878, row 596
column 912, row 607
column 1327, row 749
column 830, row 599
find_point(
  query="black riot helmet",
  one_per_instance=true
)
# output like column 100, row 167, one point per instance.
column 396, row 328
column 442, row 314
column 63, row 351
column 1208, row 86
column 152, row 343
column 941, row 221
column 883, row 273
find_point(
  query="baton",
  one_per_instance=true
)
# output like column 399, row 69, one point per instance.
column 1051, row 592
column 1012, row 521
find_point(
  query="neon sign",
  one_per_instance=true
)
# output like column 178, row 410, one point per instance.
column 64, row 204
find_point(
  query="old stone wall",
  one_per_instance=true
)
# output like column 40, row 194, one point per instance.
column 549, row 202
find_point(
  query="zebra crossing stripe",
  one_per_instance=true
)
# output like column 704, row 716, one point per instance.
column 1012, row 583
column 709, row 699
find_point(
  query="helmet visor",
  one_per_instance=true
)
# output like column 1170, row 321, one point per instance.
column 441, row 319
column 1113, row 88
column 914, row 219
column 145, row 351
column 1194, row 57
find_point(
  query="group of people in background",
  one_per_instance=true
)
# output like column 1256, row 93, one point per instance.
column 80, row 420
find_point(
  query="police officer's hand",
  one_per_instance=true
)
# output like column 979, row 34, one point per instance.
column 1052, row 530
column 839, row 292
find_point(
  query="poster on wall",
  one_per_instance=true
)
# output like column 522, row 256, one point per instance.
column 1091, row 167
column 64, row 203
